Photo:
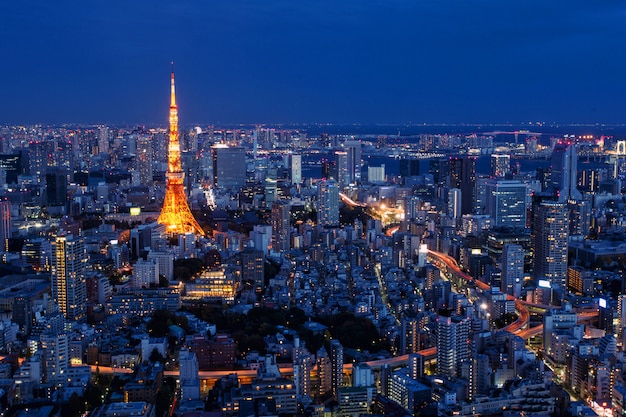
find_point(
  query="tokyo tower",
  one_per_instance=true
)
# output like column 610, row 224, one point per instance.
column 175, row 213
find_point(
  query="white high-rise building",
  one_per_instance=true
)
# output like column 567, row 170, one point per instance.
column 296, row 168
column 453, row 343
column 189, row 381
column 56, row 351
column 512, row 266
column 564, row 174
column 145, row 273
column 103, row 139
column 165, row 261
column 454, row 203
column 69, row 287
column 327, row 203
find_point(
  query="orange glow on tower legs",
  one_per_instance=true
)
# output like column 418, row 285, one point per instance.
column 175, row 213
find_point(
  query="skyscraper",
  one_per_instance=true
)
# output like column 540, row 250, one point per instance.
column 327, row 203
column 512, row 266
column 550, row 234
column 281, row 226
column 336, row 363
column 69, row 288
column 463, row 176
column 409, row 167
column 343, row 174
column 103, row 139
column 175, row 213
column 354, row 160
column 500, row 165
column 453, row 343
column 454, row 203
column 6, row 224
column 57, row 352
column 506, row 203
column 296, row 168
column 229, row 167
column 144, row 160
column 56, row 191
column 564, row 176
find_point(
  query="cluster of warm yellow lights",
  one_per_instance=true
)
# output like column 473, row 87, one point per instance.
column 175, row 213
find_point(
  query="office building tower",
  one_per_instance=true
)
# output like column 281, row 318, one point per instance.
column 409, row 167
column 271, row 191
column 56, row 352
column 41, row 157
column 554, row 320
column 175, row 213
column 12, row 165
column 22, row 313
column 462, row 175
column 253, row 266
column 500, row 165
column 229, row 167
column 336, row 363
column 262, row 236
column 296, row 169
column 455, row 197
column 506, row 203
column 564, row 174
column 439, row 168
column 412, row 207
column 145, row 274
column 6, row 224
column 354, row 160
column 512, row 266
column 479, row 375
column 341, row 165
column 56, row 191
column 165, row 260
column 103, row 139
column 621, row 313
column 144, row 160
column 453, row 342
column 69, row 288
column 550, row 236
column 281, row 226
column 327, row 203
column 579, row 217
column 376, row 175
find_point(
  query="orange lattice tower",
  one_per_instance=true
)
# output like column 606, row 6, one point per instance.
column 175, row 213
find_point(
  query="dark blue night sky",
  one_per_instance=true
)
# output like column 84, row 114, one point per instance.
column 301, row 61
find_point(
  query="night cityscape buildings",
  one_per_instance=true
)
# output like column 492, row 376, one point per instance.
column 468, row 313
column 319, row 274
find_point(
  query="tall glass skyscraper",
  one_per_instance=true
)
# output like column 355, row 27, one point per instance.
column 550, row 234
column 564, row 176
column 506, row 203
column 69, row 288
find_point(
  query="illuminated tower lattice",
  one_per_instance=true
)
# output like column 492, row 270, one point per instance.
column 175, row 213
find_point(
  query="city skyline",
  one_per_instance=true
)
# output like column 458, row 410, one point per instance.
column 397, row 62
